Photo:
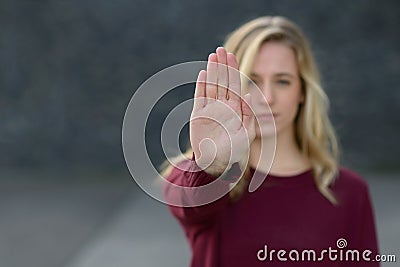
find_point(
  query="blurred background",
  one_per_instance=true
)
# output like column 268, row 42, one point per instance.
column 68, row 70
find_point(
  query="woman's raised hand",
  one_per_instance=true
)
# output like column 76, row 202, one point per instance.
column 222, row 123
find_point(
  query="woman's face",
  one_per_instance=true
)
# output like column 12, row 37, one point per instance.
column 275, row 73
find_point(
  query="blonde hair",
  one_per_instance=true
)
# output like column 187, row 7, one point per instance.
column 313, row 130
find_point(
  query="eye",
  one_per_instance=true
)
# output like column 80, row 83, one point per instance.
column 253, row 83
column 283, row 82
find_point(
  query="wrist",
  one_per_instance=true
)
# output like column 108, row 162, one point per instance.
column 215, row 169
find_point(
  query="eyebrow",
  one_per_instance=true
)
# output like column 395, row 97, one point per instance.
column 276, row 74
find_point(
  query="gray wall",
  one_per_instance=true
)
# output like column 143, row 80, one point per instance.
column 69, row 68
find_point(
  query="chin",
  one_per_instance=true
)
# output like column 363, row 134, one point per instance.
column 266, row 131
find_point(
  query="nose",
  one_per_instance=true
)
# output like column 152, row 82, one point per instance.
column 268, row 93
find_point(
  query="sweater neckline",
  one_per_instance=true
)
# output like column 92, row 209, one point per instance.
column 301, row 174
column 303, row 178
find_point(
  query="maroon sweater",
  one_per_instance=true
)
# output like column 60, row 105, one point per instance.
column 284, row 213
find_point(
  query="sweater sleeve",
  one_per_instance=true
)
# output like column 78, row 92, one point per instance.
column 353, row 192
column 368, row 238
column 186, row 209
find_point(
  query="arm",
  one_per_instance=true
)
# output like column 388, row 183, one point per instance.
column 188, row 174
column 368, row 238
column 221, row 128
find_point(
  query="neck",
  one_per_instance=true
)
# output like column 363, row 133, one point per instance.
column 288, row 158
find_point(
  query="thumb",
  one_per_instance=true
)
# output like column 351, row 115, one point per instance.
column 247, row 115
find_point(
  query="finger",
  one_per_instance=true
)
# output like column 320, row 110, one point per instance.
column 200, row 92
column 234, row 91
column 247, row 113
column 211, row 85
column 222, row 73
column 248, row 119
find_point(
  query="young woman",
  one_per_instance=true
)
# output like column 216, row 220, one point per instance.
column 308, row 210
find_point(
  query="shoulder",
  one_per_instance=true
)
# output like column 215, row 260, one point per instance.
column 351, row 178
column 350, row 185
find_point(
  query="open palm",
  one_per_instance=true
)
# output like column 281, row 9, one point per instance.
column 222, row 123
